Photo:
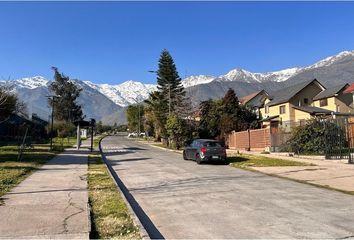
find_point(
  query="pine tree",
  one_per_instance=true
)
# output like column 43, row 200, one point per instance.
column 65, row 106
column 170, row 85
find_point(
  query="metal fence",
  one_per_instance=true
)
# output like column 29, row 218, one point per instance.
column 339, row 141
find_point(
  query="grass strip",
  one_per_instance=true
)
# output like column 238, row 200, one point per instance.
column 109, row 214
column 12, row 171
column 247, row 161
column 96, row 141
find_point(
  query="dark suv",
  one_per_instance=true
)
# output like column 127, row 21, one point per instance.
column 203, row 150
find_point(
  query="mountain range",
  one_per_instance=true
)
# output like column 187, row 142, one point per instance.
column 107, row 102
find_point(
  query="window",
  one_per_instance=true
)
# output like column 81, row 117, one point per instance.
column 282, row 109
column 306, row 101
column 323, row 102
column 212, row 144
column 266, row 109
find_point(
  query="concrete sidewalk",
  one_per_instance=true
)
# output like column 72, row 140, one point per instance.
column 51, row 203
column 329, row 173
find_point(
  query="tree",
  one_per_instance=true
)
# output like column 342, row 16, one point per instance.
column 9, row 103
column 170, row 86
column 155, row 114
column 177, row 131
column 209, row 118
column 230, row 113
column 169, row 99
column 134, row 120
column 66, row 108
column 316, row 137
column 220, row 117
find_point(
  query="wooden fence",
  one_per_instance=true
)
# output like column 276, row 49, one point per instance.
column 254, row 140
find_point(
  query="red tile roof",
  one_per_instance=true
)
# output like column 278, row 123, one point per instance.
column 350, row 89
column 248, row 98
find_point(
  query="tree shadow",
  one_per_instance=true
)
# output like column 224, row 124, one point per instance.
column 116, row 162
column 237, row 159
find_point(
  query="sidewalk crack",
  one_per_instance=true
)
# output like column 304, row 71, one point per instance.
column 70, row 204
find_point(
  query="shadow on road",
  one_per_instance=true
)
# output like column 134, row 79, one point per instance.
column 149, row 226
column 116, row 162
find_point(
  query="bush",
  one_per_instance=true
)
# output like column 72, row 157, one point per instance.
column 315, row 137
column 64, row 129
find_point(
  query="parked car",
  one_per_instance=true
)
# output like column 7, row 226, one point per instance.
column 204, row 150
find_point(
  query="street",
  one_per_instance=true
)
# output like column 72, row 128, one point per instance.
column 186, row 200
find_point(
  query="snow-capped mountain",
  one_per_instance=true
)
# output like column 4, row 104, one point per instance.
column 196, row 80
column 126, row 93
column 242, row 75
column 29, row 82
column 282, row 75
column 333, row 70
column 331, row 60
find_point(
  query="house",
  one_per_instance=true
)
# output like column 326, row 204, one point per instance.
column 335, row 99
column 292, row 105
column 255, row 100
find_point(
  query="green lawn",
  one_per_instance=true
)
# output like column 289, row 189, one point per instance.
column 109, row 214
column 247, row 161
column 12, row 171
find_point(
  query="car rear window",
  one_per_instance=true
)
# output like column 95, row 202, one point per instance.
column 212, row 144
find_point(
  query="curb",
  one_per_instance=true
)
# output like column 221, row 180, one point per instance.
column 143, row 233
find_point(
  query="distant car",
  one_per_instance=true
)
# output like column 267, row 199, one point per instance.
column 133, row 134
column 204, row 150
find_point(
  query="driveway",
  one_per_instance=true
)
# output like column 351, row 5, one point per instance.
column 186, row 200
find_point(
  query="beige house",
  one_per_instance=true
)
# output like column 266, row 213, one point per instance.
column 294, row 105
column 335, row 100
column 291, row 105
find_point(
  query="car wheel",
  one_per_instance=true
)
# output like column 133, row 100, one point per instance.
column 198, row 159
column 184, row 156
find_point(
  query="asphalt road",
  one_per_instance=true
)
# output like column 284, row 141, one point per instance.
column 186, row 200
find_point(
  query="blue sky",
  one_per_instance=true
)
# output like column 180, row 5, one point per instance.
column 110, row 42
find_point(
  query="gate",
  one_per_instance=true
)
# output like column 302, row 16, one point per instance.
column 339, row 138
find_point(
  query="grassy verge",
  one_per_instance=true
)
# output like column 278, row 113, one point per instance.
column 110, row 215
column 59, row 143
column 247, row 161
column 97, row 140
column 12, row 171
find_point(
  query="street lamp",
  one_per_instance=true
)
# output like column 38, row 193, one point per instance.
column 51, row 129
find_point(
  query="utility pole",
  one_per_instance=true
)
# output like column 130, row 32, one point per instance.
column 92, row 123
column 139, row 120
column 169, row 99
column 51, row 128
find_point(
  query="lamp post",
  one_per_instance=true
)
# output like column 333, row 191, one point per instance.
column 51, row 128
column 92, row 123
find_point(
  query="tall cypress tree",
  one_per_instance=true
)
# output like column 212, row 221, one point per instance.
column 170, row 85
column 66, row 108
